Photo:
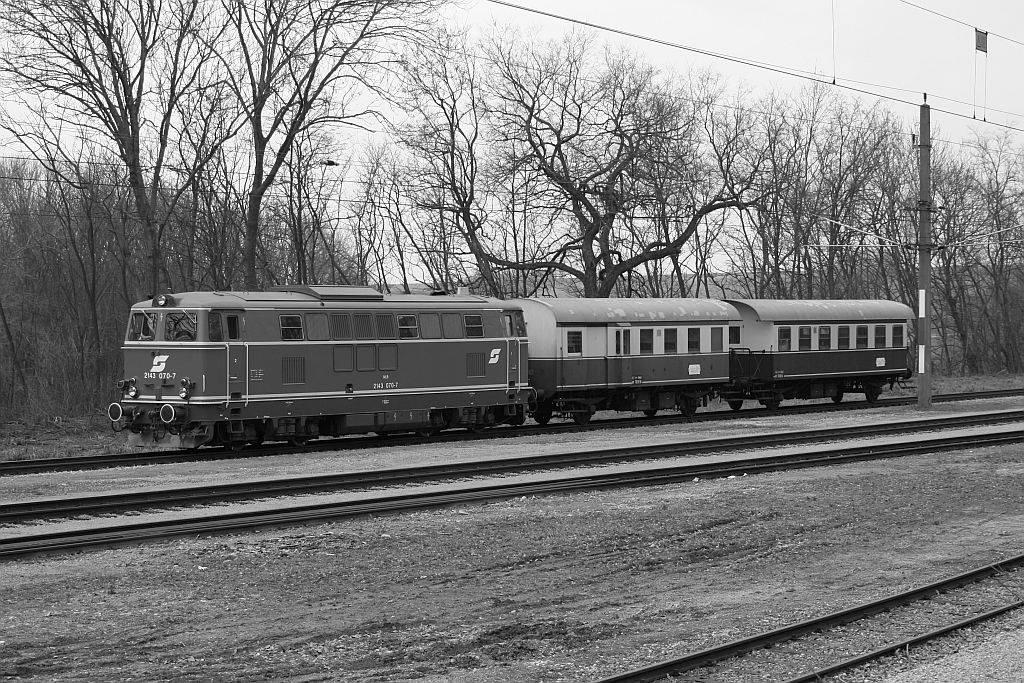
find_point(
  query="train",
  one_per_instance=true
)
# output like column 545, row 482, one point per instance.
column 300, row 362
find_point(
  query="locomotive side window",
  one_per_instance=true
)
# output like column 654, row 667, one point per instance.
column 784, row 338
column 366, row 357
column 879, row 336
column 805, row 338
column 215, row 328
column 671, row 336
column 451, row 325
column 317, row 328
column 693, row 340
column 520, row 322
column 474, row 326
column 232, row 327
column 341, row 327
column 574, row 343
column 407, row 327
column 344, row 358
column 430, row 325
column 862, row 336
column 844, row 337
column 364, row 325
column 387, row 357
column 734, row 335
column 646, row 342
column 386, row 326
column 897, row 336
column 507, row 320
column 291, row 327
column 141, row 327
column 180, row 327
column 824, row 338
column 716, row 339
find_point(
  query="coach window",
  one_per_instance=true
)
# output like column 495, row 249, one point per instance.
column 625, row 343
column 862, row 336
column 805, row 338
column 844, row 337
column 897, row 336
column 646, row 342
column 180, row 326
column 474, row 326
column 341, row 326
column 317, row 327
column 574, row 343
column 716, row 339
column 734, row 335
column 363, row 322
column 879, row 336
column 671, row 340
column 784, row 338
column 386, row 326
column 366, row 357
column 693, row 340
column 430, row 325
column 824, row 338
column 407, row 327
column 451, row 325
column 215, row 327
column 344, row 358
column 291, row 327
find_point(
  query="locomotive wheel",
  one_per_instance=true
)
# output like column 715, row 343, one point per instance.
column 581, row 417
column 427, row 432
column 298, row 441
column 872, row 392
column 651, row 413
column 838, row 398
column 735, row 405
column 477, row 427
column 542, row 415
column 237, row 445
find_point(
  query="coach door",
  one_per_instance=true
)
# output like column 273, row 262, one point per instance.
column 620, row 346
column 238, row 358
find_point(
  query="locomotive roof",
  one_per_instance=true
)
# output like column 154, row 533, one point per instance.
column 309, row 295
column 583, row 311
column 824, row 310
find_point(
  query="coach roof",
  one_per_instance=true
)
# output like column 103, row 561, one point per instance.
column 823, row 311
column 610, row 311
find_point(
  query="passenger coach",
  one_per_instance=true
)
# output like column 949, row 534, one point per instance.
column 625, row 354
column 298, row 362
column 816, row 349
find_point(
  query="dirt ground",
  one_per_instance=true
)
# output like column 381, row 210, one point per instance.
column 570, row 587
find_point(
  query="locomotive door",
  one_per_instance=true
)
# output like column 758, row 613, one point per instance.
column 238, row 359
column 512, row 332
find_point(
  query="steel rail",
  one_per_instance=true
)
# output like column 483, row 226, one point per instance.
column 84, row 462
column 40, row 508
column 80, row 539
column 709, row 656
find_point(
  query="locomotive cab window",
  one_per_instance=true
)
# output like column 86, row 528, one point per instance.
column 879, row 336
column 805, row 338
column 785, row 338
column 180, row 326
column 671, row 340
column 824, row 338
column 142, row 327
column 897, row 336
column 646, row 342
column 215, row 330
column 291, row 327
column 574, row 343
column 474, row 326
column 844, row 337
column 407, row 327
column 862, row 336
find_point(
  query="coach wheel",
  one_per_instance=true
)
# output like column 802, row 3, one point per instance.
column 687, row 406
column 872, row 392
column 427, row 433
column 651, row 413
column 298, row 441
column 542, row 415
column 237, row 445
column 477, row 427
column 735, row 405
column 581, row 417
column 838, row 398
column 771, row 404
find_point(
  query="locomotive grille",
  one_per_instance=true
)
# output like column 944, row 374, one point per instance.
column 475, row 365
column 293, row 370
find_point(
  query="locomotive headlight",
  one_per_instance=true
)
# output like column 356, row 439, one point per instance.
column 164, row 300
column 133, row 391
column 186, row 388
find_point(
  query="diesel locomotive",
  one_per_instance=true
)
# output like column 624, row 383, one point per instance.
column 299, row 362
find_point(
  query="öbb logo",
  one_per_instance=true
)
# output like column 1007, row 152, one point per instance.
column 157, row 371
column 495, row 355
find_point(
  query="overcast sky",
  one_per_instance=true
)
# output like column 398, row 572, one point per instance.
column 889, row 47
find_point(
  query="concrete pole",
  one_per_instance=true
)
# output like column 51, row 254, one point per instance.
column 924, row 269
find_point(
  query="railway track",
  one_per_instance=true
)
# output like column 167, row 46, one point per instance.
column 905, row 607
column 199, row 495
column 291, row 514
column 15, row 467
